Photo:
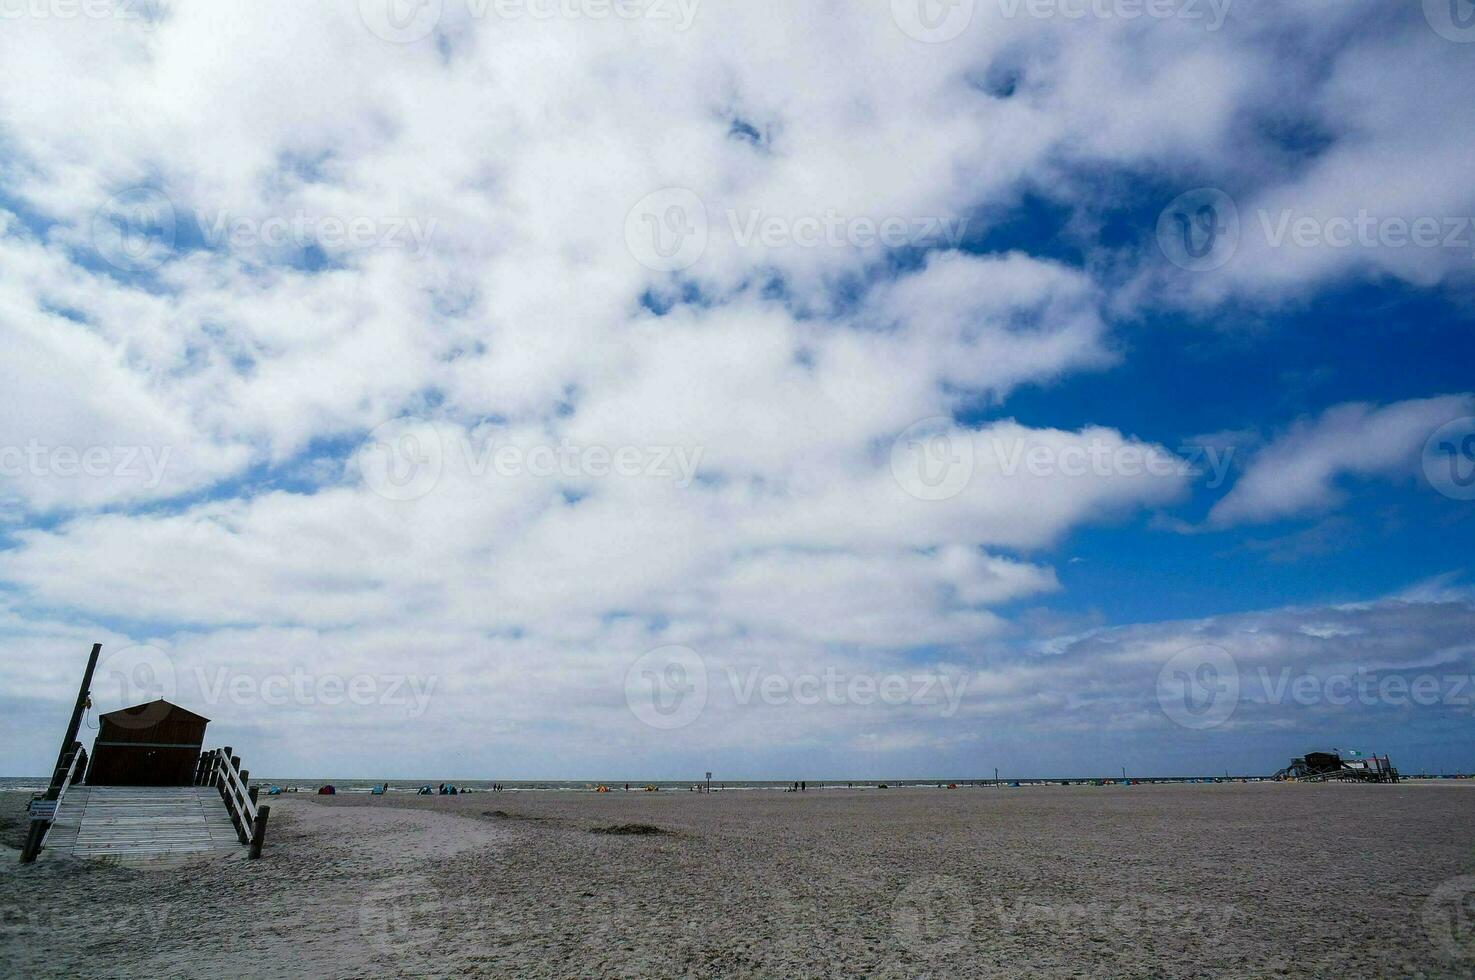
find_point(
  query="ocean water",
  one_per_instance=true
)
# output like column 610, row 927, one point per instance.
column 36, row 784
column 572, row 785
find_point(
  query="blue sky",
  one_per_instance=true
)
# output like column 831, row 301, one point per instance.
column 471, row 394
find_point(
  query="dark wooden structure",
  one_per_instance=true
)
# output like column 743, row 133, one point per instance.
column 154, row 744
column 1318, row 767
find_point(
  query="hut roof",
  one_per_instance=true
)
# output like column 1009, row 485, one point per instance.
column 138, row 708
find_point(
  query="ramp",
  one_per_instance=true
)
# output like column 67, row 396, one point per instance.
column 142, row 822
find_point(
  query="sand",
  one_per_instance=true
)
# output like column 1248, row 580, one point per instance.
column 1232, row 880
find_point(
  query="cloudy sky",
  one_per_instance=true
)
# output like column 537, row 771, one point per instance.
column 633, row 388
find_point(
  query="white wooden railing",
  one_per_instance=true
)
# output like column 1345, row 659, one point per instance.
column 43, row 809
column 222, row 770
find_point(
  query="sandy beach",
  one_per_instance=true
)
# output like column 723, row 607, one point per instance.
column 1231, row 880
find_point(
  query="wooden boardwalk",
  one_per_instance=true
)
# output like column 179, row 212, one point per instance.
column 142, row 822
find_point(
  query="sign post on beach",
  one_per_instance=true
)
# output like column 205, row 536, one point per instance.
column 709, row 782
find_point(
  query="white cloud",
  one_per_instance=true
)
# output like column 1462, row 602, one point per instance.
column 1298, row 472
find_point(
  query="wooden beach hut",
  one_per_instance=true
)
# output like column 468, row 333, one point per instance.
column 154, row 744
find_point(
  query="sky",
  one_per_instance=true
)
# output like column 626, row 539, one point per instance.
column 638, row 388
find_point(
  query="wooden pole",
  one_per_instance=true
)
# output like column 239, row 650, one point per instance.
column 33, row 840
column 258, row 832
column 59, row 774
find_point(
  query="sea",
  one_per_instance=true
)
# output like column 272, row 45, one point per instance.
column 312, row 784
column 35, row 784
